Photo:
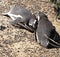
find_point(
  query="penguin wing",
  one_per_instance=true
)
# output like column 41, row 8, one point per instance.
column 19, row 22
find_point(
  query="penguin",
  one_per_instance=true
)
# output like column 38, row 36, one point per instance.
column 22, row 17
column 46, row 34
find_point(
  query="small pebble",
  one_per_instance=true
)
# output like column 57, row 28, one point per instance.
column 2, row 28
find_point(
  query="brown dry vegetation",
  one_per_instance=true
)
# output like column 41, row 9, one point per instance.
column 16, row 42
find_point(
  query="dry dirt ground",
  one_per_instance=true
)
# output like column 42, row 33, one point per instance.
column 16, row 42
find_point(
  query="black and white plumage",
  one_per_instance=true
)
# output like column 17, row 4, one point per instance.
column 22, row 17
column 46, row 34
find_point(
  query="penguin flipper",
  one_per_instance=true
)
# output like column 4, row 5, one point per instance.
column 26, row 27
column 19, row 24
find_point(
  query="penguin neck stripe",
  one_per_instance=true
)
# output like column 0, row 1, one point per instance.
column 38, row 17
column 15, row 15
column 34, row 21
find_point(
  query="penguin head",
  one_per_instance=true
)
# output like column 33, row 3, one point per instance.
column 5, row 14
column 41, row 16
column 12, row 16
column 33, row 22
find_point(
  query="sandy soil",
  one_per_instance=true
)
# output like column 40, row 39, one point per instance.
column 15, row 42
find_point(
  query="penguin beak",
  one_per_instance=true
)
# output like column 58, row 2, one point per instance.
column 5, row 14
